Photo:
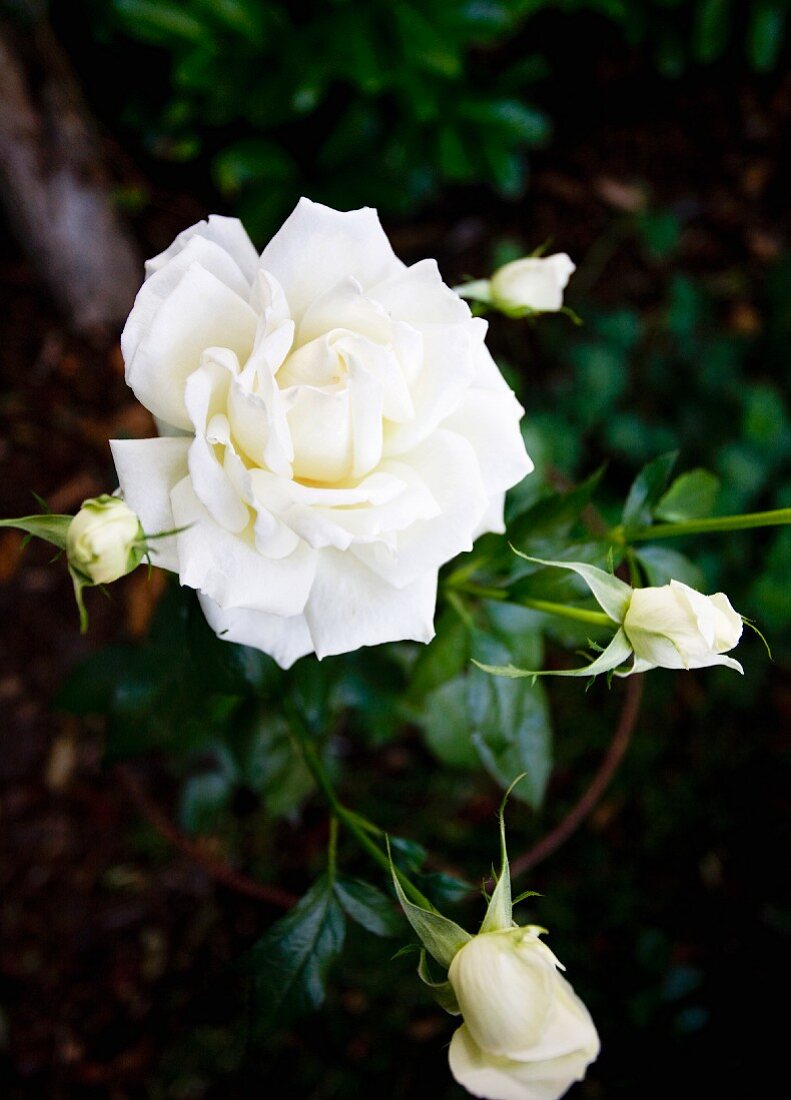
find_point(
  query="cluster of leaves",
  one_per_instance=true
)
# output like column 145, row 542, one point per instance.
column 387, row 102
column 381, row 102
column 682, row 376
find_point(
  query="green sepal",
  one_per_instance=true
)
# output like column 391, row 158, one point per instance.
column 442, row 992
column 80, row 583
column 611, row 594
column 52, row 528
column 618, row 651
column 499, row 912
column 441, row 937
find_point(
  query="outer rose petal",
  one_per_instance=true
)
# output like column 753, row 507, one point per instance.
column 198, row 313
column 418, row 295
column 317, row 247
column 228, row 568
column 490, row 422
column 285, row 639
column 228, row 233
column 498, row 1078
column 349, row 606
column 147, row 471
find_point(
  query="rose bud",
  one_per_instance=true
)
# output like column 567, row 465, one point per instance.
column 105, row 540
column 533, row 285
column 676, row 627
column 526, row 1034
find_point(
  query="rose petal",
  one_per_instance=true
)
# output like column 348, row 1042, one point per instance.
column 285, row 639
column 489, row 420
column 447, row 465
column 497, row 1078
column 349, row 606
column 147, row 471
column 199, row 312
column 317, row 247
column 227, row 233
column 417, row 294
column 230, row 570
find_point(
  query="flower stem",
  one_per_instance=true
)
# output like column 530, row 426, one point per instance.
column 340, row 813
column 568, row 611
column 563, row 610
column 776, row 518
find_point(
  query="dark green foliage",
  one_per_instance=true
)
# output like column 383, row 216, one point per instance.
column 289, row 963
column 389, row 102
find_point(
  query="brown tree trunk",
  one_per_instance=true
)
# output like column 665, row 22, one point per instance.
column 52, row 181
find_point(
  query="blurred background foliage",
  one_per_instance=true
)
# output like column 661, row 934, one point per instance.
column 380, row 102
column 644, row 138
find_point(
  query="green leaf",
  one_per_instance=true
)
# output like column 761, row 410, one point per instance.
column 691, row 496
column 511, row 731
column 368, row 906
column 441, row 937
column 446, row 725
column 268, row 760
column 711, row 29
column 444, row 657
column 204, row 799
column 289, row 963
column 663, row 564
column 49, row 527
column 556, row 513
column 765, row 35
column 646, row 490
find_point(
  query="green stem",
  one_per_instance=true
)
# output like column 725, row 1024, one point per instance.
column 776, row 518
column 340, row 813
column 568, row 611
column 564, row 611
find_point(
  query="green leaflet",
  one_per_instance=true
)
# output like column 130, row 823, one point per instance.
column 611, row 594
column 290, row 962
column 368, row 906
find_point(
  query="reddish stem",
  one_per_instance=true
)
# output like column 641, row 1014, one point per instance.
column 596, row 788
column 218, row 870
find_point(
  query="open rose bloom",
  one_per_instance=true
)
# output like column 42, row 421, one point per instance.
column 333, row 429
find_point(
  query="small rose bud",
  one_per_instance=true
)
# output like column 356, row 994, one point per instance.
column 525, row 1033
column 676, row 627
column 105, row 540
column 533, row 284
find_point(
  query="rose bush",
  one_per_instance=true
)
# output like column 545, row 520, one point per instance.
column 332, row 430
column 526, row 1034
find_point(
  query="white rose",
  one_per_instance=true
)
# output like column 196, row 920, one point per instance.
column 676, row 627
column 333, row 430
column 526, row 1034
column 104, row 541
column 535, row 283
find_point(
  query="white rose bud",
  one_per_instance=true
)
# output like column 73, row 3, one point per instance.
column 676, row 627
column 526, row 1034
column 534, row 284
column 104, row 540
